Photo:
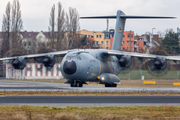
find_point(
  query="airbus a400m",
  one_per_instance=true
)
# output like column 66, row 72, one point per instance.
column 95, row 65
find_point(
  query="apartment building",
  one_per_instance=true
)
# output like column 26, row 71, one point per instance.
column 128, row 41
column 139, row 44
column 102, row 39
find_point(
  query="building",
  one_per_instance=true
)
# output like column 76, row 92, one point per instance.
column 128, row 41
column 156, row 41
column 109, row 37
column 34, row 71
column 102, row 39
column 139, row 44
column 143, row 43
column 31, row 41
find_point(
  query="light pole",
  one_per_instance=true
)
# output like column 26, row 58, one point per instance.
column 152, row 30
column 151, row 37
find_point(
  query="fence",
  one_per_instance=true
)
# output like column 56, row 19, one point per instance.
column 146, row 75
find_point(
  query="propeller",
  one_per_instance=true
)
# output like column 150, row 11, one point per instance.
column 128, row 63
column 158, row 67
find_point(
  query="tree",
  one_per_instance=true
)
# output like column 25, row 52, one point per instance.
column 11, row 27
column 83, row 41
column 60, row 27
column 16, row 25
column 171, row 42
column 67, row 27
column 71, row 27
column 6, row 29
column 52, row 26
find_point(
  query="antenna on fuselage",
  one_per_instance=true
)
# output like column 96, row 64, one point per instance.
column 120, row 24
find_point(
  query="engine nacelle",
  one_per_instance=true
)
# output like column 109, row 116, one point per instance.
column 49, row 61
column 39, row 59
column 109, row 78
column 124, row 61
column 160, row 63
column 19, row 63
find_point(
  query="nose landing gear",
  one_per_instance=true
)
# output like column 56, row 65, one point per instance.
column 76, row 84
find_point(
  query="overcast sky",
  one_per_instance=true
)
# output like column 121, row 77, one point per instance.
column 35, row 13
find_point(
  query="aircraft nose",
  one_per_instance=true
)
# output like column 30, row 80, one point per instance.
column 69, row 67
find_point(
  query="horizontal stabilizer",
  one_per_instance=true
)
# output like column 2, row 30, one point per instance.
column 98, row 17
column 127, row 17
column 136, row 17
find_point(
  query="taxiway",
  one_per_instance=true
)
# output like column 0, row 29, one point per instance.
column 62, row 101
column 50, row 86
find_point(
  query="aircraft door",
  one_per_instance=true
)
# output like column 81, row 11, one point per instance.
column 90, row 68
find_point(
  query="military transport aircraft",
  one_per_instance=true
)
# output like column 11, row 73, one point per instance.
column 96, row 65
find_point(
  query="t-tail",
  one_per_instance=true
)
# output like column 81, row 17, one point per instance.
column 120, row 24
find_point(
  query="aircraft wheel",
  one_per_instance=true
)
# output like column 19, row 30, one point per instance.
column 107, row 85
column 72, row 85
column 110, row 85
column 114, row 85
column 79, row 84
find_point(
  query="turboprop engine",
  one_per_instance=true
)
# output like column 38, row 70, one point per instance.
column 19, row 63
column 158, row 67
column 124, row 61
column 48, row 61
column 160, row 63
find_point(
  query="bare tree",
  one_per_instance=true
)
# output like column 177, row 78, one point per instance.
column 52, row 26
column 16, row 24
column 161, row 34
column 72, row 26
column 60, row 27
column 6, row 29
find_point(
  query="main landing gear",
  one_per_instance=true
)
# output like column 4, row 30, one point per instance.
column 76, row 84
column 110, row 85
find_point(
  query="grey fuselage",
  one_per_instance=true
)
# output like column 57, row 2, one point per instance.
column 89, row 65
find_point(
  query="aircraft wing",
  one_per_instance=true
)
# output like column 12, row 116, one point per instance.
column 38, row 55
column 115, row 52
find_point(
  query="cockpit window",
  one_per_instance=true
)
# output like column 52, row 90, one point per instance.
column 68, row 57
column 73, row 58
column 78, row 58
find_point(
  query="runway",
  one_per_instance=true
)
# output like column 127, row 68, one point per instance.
column 80, row 101
column 47, row 86
column 63, row 101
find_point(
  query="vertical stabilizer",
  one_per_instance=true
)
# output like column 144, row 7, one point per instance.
column 120, row 24
column 119, row 30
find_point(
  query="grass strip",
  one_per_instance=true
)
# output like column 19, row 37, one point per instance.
column 27, row 112
column 81, row 93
